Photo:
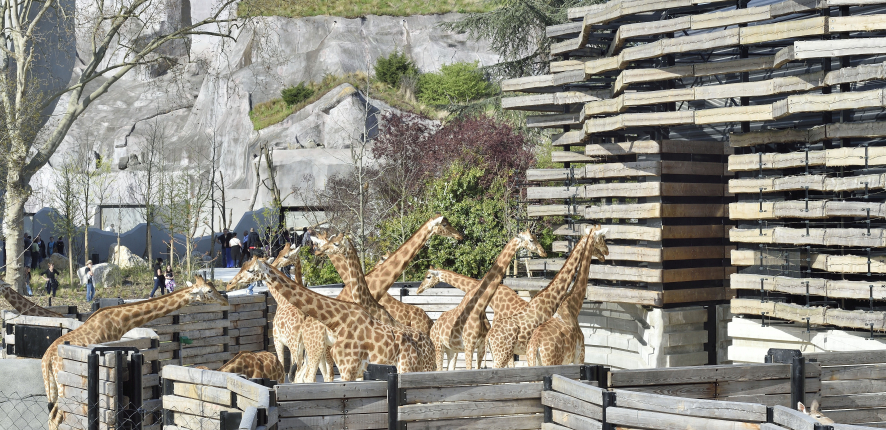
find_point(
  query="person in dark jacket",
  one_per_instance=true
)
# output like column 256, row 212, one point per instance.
column 60, row 246
column 159, row 278
column 244, row 249
column 51, row 282
column 253, row 243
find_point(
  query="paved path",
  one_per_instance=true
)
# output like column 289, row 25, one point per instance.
column 22, row 398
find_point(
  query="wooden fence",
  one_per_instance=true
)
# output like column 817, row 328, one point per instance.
column 197, row 399
column 115, row 384
column 853, row 385
column 340, row 405
column 767, row 384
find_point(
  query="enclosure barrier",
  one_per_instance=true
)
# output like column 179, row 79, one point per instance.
column 853, row 385
column 198, row 399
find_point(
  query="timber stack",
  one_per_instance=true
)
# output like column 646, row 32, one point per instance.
column 708, row 133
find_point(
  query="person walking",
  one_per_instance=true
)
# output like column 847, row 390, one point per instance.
column 51, row 281
column 90, row 283
column 170, row 279
column 236, row 249
column 159, row 278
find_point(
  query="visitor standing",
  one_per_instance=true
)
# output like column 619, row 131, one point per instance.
column 50, row 247
column 236, row 248
column 159, row 278
column 42, row 246
column 60, row 246
column 27, row 250
column 224, row 239
column 170, row 280
column 306, row 238
column 253, row 243
column 35, row 253
column 90, row 283
column 51, row 281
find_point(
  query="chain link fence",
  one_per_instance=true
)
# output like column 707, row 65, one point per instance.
column 31, row 412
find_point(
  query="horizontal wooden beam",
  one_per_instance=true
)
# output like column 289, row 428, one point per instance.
column 857, row 237
column 800, row 182
column 814, row 315
column 817, row 286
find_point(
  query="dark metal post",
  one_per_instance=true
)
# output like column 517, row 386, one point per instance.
column 608, row 402
column 798, row 381
column 230, row 420
column 547, row 385
column 394, row 400
column 92, row 391
column 136, row 363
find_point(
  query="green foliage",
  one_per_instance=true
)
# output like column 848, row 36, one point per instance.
column 317, row 269
column 297, row 94
column 392, row 68
column 479, row 212
column 454, row 83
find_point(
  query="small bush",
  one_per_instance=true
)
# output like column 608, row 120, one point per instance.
column 392, row 68
column 454, row 83
column 297, row 94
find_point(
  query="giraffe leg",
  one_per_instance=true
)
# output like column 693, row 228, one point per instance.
column 281, row 354
column 327, row 364
column 438, row 355
column 453, row 358
column 298, row 358
column 481, row 352
column 469, row 352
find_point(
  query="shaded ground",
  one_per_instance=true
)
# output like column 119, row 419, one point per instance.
column 22, row 400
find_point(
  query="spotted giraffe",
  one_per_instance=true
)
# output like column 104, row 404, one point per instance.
column 560, row 340
column 261, row 364
column 111, row 323
column 24, row 306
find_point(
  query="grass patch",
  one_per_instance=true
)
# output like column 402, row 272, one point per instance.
column 274, row 111
column 357, row 8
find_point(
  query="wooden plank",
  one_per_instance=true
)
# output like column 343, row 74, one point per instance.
column 637, row 296
column 358, row 405
column 692, row 407
column 576, row 422
column 484, row 376
column 245, row 388
column 290, row 392
column 816, row 315
column 854, row 401
column 837, row 388
column 468, row 409
column 584, row 392
column 848, row 357
column 792, row 419
column 513, row 422
column 769, row 386
column 858, row 415
column 194, row 407
column 196, row 376
column 530, row 390
column 647, row 419
column 696, row 295
column 817, row 286
column 695, row 374
column 249, row 420
column 571, row 405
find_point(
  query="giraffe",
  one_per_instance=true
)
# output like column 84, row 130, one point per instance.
column 380, row 278
column 505, row 301
column 352, row 274
column 24, row 306
column 261, row 364
column 291, row 325
column 509, row 336
column 359, row 338
column 814, row 411
column 560, row 340
column 111, row 323
column 462, row 329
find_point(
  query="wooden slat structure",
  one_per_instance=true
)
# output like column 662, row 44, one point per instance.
column 853, row 386
column 782, row 103
column 194, row 399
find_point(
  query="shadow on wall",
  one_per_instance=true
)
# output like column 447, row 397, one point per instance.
column 100, row 241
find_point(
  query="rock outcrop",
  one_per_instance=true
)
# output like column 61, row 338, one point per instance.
column 59, row 261
column 124, row 258
column 103, row 275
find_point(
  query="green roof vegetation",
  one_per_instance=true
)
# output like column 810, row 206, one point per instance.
column 358, row 8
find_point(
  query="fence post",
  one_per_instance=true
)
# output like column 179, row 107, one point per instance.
column 136, row 363
column 229, row 420
column 547, row 385
column 608, row 402
column 92, row 391
column 798, row 381
column 394, row 400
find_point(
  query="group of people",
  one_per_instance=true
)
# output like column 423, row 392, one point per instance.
column 164, row 279
column 235, row 251
column 36, row 250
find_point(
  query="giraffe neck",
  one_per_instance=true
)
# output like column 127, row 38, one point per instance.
column 484, row 292
column 24, row 306
column 386, row 273
column 360, row 293
column 127, row 317
column 504, row 299
column 570, row 307
column 543, row 305
column 331, row 312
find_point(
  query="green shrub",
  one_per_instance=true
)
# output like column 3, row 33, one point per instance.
column 454, row 83
column 297, row 94
column 393, row 67
column 317, row 269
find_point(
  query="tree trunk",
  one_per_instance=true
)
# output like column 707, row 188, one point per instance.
column 149, row 249
column 13, row 226
column 86, row 243
column 71, row 263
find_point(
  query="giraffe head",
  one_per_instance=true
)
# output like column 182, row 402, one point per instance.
column 598, row 241
column 440, row 226
column 338, row 244
column 527, row 241
column 814, row 411
column 319, row 240
column 244, row 276
column 204, row 292
column 432, row 278
column 287, row 256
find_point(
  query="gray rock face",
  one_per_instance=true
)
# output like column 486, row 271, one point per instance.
column 124, row 258
column 103, row 274
column 210, row 100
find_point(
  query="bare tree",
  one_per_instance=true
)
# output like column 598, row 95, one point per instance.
column 115, row 38
column 63, row 198
column 93, row 182
column 150, row 179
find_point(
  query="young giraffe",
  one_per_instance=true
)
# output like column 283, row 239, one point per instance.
column 359, row 338
column 352, row 274
column 261, row 364
column 24, row 306
column 560, row 340
column 509, row 336
column 111, row 323
column 461, row 329
column 505, row 301
column 380, row 278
